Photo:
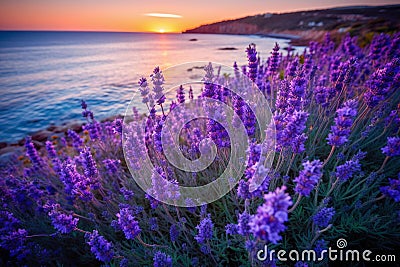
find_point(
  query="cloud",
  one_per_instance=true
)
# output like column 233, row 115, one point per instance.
column 163, row 15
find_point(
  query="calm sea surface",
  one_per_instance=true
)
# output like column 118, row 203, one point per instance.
column 44, row 75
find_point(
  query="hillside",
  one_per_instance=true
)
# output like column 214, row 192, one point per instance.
column 303, row 26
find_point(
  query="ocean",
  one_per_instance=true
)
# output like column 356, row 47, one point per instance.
column 44, row 75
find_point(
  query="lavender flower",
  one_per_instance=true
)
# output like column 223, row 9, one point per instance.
column 319, row 246
column 243, row 190
column 77, row 141
column 268, row 222
column 209, row 88
column 308, row 177
column 162, row 188
column 83, row 104
column 86, row 113
column 15, row 243
column 393, row 189
column 378, row 43
column 153, row 202
column 343, row 69
column 94, row 129
column 75, row 183
column 392, row 147
column 32, row 154
column 153, row 224
column 238, row 104
column 323, row 95
column 174, row 232
column 112, row 165
column 292, row 67
column 117, row 126
column 348, row 169
column 232, row 229
column 180, row 95
column 158, row 80
column 7, row 222
column 205, row 249
column 250, row 121
column 157, row 136
column 162, row 260
column 334, row 69
column 323, row 217
column 11, row 238
column 144, row 90
column 308, row 64
column 274, row 60
column 99, row 246
column 128, row 194
column 394, row 116
column 349, row 45
column 89, row 165
column 127, row 223
column 328, row 45
column 381, row 82
column 253, row 63
column 53, row 156
column 262, row 81
column 191, row 93
column 344, row 120
column 254, row 153
column 205, row 230
column 243, row 223
column 283, row 96
column 297, row 93
column 292, row 135
column 62, row 222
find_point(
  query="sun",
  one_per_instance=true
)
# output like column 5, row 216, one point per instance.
column 161, row 31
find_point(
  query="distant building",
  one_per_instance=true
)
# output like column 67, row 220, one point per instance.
column 343, row 29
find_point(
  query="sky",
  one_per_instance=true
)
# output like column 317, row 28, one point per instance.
column 136, row 16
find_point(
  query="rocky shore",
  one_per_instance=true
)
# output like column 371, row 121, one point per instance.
column 39, row 138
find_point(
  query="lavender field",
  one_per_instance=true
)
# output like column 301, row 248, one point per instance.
column 296, row 151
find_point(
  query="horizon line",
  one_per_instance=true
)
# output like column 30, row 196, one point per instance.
column 205, row 23
column 99, row 31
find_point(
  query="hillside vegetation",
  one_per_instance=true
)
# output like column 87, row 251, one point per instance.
column 304, row 26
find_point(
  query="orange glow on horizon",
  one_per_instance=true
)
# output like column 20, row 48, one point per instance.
column 139, row 16
column 160, row 25
column 90, row 16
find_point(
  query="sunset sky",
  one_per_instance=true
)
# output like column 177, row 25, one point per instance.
column 133, row 15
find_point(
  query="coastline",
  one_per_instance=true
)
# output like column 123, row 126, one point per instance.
column 39, row 138
column 304, row 26
column 295, row 39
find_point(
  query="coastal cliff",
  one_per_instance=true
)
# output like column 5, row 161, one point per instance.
column 303, row 26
